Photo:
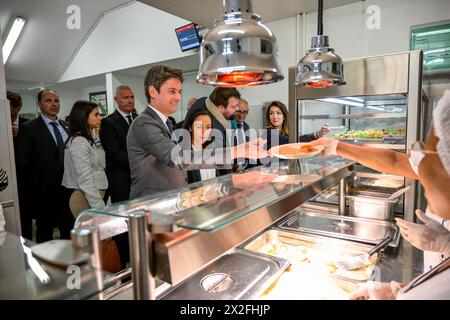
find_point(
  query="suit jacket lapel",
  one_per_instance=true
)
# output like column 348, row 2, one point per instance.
column 46, row 133
column 153, row 114
column 121, row 120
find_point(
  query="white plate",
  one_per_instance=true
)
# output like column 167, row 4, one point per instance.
column 276, row 151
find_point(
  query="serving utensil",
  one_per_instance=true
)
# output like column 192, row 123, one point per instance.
column 398, row 193
column 356, row 262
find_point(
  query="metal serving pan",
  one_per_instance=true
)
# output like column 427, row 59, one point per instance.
column 313, row 256
column 369, row 231
column 238, row 274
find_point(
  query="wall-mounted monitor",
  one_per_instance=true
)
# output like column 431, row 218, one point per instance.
column 188, row 37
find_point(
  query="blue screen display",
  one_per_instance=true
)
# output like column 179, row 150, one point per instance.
column 188, row 37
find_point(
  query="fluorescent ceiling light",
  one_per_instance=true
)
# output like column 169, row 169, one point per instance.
column 12, row 37
column 342, row 101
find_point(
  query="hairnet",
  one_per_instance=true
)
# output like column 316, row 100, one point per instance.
column 441, row 118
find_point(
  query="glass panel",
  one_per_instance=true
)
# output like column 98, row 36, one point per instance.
column 372, row 119
column 210, row 204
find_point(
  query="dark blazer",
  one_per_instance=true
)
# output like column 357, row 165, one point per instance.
column 113, row 136
column 245, row 127
column 40, row 163
column 22, row 120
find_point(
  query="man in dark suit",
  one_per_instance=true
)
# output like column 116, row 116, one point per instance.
column 242, row 126
column 40, row 164
column 113, row 136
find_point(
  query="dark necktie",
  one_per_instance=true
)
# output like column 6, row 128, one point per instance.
column 58, row 136
column 130, row 120
column 169, row 126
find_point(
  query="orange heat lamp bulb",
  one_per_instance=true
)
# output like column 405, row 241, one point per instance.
column 240, row 78
column 319, row 84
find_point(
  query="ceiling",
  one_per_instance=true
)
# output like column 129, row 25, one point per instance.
column 46, row 45
column 204, row 12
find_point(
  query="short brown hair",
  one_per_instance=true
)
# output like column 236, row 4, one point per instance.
column 220, row 95
column 284, row 127
column 157, row 75
column 15, row 100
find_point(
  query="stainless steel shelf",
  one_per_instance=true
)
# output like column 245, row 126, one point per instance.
column 356, row 116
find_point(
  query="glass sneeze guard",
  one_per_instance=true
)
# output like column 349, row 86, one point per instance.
column 211, row 204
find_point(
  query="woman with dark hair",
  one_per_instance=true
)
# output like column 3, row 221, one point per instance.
column 277, row 118
column 199, row 125
column 84, row 161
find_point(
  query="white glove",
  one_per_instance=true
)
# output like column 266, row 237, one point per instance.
column 329, row 144
column 431, row 236
column 372, row 290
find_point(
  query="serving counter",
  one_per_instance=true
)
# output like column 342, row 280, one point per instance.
column 213, row 239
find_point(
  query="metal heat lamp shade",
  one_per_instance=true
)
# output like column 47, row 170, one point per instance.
column 239, row 51
column 320, row 67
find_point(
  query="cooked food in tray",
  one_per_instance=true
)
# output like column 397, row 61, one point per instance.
column 296, row 285
column 376, row 134
column 309, row 256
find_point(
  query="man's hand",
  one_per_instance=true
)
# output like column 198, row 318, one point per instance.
column 430, row 236
column 323, row 131
column 330, row 145
column 250, row 150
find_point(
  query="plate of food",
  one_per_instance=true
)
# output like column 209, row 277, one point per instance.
column 296, row 151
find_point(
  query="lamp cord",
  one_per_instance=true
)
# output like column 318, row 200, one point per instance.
column 320, row 18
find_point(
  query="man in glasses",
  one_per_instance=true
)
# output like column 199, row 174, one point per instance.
column 242, row 126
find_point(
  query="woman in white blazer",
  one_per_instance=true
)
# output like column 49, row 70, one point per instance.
column 84, row 161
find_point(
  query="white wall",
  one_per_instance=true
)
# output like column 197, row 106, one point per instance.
column 130, row 36
column 350, row 37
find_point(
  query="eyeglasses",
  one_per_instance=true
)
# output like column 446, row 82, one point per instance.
column 242, row 112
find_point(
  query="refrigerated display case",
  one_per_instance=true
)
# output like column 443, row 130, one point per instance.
column 382, row 105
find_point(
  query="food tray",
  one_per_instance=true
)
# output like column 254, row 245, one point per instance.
column 313, row 255
column 368, row 231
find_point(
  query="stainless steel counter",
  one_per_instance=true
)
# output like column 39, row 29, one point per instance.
column 23, row 277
